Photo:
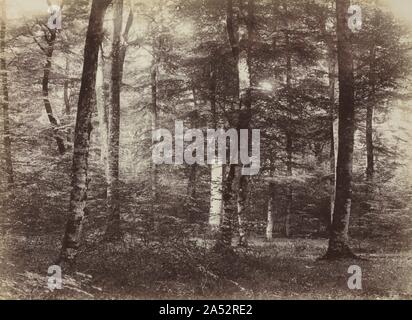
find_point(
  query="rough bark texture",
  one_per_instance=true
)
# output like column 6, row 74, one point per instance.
column 339, row 240
column 245, row 119
column 236, row 185
column 5, row 98
column 113, row 212
column 224, row 239
column 79, row 185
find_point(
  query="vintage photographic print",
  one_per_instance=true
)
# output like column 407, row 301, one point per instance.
column 206, row 150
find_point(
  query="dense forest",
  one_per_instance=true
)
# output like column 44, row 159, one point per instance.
column 109, row 176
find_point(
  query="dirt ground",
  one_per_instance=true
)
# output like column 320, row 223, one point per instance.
column 287, row 269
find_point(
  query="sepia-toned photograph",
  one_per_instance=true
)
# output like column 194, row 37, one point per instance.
column 193, row 150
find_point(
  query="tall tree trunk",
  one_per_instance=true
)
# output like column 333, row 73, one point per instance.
column 216, row 169
column 289, row 190
column 5, row 98
column 369, row 141
column 102, row 112
column 339, row 239
column 119, row 47
column 289, row 139
column 369, row 115
column 216, row 180
column 80, row 181
column 271, row 211
column 331, row 95
column 332, row 158
column 154, row 170
column 224, row 239
column 245, row 90
column 190, row 201
column 51, row 40
column 66, row 88
column 113, row 213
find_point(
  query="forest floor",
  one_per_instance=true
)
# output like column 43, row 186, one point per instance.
column 282, row 269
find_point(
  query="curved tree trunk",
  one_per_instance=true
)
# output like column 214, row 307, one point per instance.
column 51, row 40
column 80, row 180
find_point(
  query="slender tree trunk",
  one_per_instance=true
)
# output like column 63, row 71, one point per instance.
column 102, row 112
column 289, row 190
column 154, row 170
column 245, row 90
column 369, row 116
column 80, row 180
column 119, row 47
column 113, row 210
column 242, row 201
column 216, row 169
column 191, row 193
column 190, row 201
column 369, row 142
column 332, row 158
column 289, row 139
column 224, row 239
column 271, row 211
column 370, row 169
column 66, row 88
column 216, row 180
column 339, row 239
column 51, row 40
column 5, row 98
